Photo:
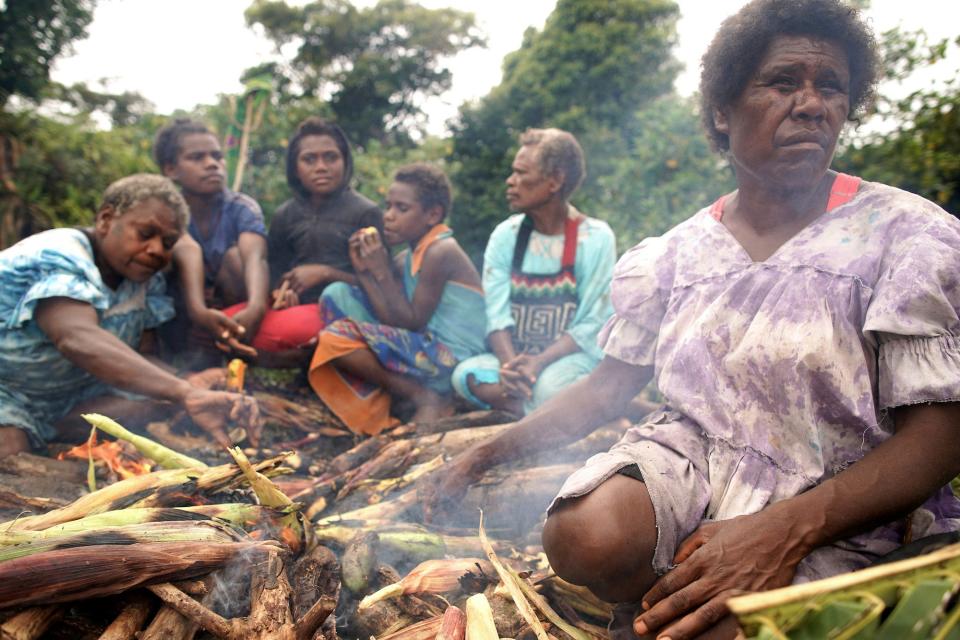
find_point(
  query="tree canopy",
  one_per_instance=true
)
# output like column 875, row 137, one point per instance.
column 590, row 71
column 32, row 34
column 374, row 66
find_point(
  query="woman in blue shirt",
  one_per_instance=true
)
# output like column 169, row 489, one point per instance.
column 75, row 306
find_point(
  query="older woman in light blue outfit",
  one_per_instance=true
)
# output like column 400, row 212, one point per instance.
column 546, row 278
column 74, row 307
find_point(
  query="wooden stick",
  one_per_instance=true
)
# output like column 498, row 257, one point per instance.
column 31, row 623
column 190, row 608
column 284, row 287
column 130, row 620
column 315, row 616
column 169, row 624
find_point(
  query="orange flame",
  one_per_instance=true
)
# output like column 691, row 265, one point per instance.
column 120, row 461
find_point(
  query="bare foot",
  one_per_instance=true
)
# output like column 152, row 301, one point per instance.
column 13, row 440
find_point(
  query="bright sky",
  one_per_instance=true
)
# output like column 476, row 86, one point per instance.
column 180, row 53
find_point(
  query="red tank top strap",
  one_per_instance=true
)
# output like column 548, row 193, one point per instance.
column 843, row 190
column 570, row 231
column 716, row 209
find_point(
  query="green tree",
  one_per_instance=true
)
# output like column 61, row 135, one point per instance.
column 374, row 65
column 922, row 152
column 668, row 174
column 32, row 34
column 590, row 70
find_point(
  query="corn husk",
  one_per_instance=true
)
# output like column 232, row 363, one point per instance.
column 163, row 456
column 453, row 625
column 177, row 531
column 409, row 542
column 913, row 598
column 238, row 514
column 423, row 630
column 270, row 496
column 66, row 575
column 480, row 623
column 511, row 582
column 430, row 576
column 165, row 488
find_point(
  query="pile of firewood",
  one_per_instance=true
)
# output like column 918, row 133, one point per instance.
column 270, row 549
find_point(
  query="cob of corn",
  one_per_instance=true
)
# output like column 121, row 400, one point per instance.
column 369, row 231
column 270, row 496
column 236, row 373
column 913, row 598
column 163, row 456
column 65, row 575
column 176, row 531
column 480, row 624
column 431, row 576
column 453, row 625
column 235, row 513
column 412, row 542
column 159, row 488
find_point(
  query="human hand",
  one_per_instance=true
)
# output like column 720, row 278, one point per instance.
column 249, row 318
column 227, row 332
column 718, row 561
column 215, row 378
column 211, row 410
column 518, row 375
column 306, row 276
column 283, row 297
column 439, row 492
column 368, row 253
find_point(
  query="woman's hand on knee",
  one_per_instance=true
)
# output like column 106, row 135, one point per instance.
column 718, row 561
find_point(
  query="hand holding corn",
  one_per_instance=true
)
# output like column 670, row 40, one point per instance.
column 213, row 410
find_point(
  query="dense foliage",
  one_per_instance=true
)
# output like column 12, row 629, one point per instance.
column 374, row 66
column 919, row 146
column 602, row 70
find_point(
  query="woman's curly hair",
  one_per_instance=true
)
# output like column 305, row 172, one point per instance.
column 125, row 193
column 743, row 39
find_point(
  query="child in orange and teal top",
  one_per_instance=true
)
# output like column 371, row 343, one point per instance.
column 411, row 320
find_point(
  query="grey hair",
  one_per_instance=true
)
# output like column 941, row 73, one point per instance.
column 558, row 152
column 127, row 192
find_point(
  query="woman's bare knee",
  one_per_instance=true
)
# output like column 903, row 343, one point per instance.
column 604, row 540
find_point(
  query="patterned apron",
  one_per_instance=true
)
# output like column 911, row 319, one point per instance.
column 542, row 305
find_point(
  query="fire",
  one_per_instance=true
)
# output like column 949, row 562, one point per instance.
column 119, row 460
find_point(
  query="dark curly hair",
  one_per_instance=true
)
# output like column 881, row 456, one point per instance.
column 431, row 184
column 166, row 146
column 743, row 39
column 316, row 126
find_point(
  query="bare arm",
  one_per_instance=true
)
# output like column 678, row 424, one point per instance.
column 256, row 273
column 761, row 551
column 382, row 282
column 575, row 412
column 73, row 328
column 188, row 260
column 253, row 257
column 75, row 331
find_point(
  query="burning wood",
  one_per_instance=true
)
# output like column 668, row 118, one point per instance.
column 148, row 530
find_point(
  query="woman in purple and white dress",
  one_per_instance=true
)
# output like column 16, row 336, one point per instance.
column 804, row 331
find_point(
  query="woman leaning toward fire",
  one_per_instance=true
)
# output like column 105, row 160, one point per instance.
column 77, row 304
column 805, row 334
